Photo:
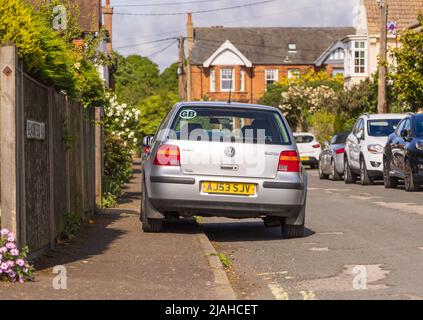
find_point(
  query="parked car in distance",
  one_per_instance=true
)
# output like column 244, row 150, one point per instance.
column 364, row 147
column 403, row 154
column 224, row 159
column 309, row 148
column 331, row 162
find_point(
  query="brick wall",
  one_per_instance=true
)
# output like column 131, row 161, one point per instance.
column 255, row 84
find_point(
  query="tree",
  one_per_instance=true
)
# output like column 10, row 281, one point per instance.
column 136, row 79
column 153, row 110
column 169, row 78
column 407, row 77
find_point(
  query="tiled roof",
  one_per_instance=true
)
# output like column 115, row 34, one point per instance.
column 268, row 46
column 403, row 11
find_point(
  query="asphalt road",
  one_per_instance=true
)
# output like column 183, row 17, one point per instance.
column 360, row 243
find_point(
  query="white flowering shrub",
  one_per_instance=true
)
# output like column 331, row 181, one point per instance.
column 120, row 125
column 301, row 101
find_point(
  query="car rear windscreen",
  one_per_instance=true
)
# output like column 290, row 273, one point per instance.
column 340, row 138
column 303, row 139
column 382, row 127
column 217, row 124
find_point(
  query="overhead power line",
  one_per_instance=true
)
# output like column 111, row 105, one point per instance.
column 146, row 42
column 166, row 3
column 196, row 12
column 162, row 50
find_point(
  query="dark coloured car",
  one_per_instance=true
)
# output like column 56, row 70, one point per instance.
column 403, row 154
column 331, row 162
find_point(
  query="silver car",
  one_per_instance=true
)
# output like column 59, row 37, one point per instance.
column 331, row 161
column 224, row 159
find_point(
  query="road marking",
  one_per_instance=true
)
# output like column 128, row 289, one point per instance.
column 278, row 292
column 319, row 249
column 331, row 233
column 308, row 295
column 364, row 198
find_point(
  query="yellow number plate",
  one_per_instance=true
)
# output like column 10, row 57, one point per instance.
column 245, row 189
column 305, row 158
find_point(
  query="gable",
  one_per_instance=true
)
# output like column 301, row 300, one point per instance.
column 227, row 55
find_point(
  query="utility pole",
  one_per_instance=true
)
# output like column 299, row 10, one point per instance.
column 382, row 106
column 181, row 69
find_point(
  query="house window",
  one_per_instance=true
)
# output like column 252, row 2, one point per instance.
column 227, row 80
column 359, row 57
column 271, row 76
column 212, row 80
column 292, row 47
column 338, row 54
column 242, row 81
column 293, row 73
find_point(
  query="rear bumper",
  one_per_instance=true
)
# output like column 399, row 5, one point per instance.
column 183, row 194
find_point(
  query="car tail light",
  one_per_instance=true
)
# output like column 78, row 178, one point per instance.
column 316, row 146
column 340, row 151
column 289, row 161
column 146, row 149
column 168, row 155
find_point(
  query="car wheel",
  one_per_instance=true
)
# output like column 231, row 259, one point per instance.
column 322, row 175
column 365, row 180
column 348, row 175
column 334, row 174
column 409, row 181
column 388, row 181
column 292, row 231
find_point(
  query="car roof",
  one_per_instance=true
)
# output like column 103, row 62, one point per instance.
column 384, row 116
column 225, row 104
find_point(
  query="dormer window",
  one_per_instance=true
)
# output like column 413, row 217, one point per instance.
column 292, row 47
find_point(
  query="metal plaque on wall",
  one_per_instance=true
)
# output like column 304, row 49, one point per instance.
column 35, row 130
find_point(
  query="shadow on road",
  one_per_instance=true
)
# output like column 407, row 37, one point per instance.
column 244, row 231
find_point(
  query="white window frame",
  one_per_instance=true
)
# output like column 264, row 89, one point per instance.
column 274, row 72
column 212, row 80
column 221, row 79
column 242, row 81
column 359, row 50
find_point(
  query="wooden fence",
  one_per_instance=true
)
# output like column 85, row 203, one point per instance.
column 48, row 157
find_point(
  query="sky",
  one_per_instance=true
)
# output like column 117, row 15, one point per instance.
column 131, row 33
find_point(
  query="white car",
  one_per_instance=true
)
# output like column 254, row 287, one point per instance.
column 365, row 145
column 309, row 148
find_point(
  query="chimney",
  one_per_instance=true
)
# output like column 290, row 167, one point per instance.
column 108, row 24
column 190, row 34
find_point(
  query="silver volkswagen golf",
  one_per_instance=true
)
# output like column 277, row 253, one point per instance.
column 224, row 159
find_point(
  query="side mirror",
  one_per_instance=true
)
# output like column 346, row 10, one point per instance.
column 146, row 141
column 326, row 144
column 405, row 134
column 360, row 135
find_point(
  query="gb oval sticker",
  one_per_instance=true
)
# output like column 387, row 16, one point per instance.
column 188, row 114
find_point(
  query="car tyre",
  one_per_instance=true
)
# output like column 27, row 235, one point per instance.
column 292, row 231
column 388, row 181
column 365, row 180
column 335, row 176
column 349, row 177
column 148, row 224
column 409, row 181
column 322, row 175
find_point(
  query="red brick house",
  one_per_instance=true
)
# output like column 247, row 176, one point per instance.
column 245, row 60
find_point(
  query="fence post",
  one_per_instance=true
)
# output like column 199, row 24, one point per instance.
column 9, row 171
column 98, row 156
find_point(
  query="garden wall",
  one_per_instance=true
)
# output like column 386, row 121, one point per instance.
column 47, row 165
